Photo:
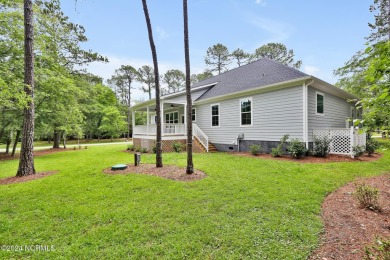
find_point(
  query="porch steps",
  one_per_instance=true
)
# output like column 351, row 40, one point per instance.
column 211, row 146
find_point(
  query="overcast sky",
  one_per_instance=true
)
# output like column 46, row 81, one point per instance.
column 323, row 34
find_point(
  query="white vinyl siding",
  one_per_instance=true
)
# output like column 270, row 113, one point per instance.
column 274, row 114
column 336, row 112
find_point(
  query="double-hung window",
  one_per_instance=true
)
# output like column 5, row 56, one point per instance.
column 320, row 103
column 172, row 118
column 246, row 111
column 193, row 114
column 215, row 115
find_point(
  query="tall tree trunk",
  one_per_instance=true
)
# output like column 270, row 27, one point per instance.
column 56, row 139
column 16, row 142
column 150, row 91
column 190, row 164
column 26, row 162
column 8, row 142
column 159, row 162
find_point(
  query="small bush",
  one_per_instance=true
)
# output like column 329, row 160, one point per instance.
column 255, row 149
column 296, row 148
column 144, row 150
column 154, row 149
column 358, row 150
column 85, row 147
column 380, row 250
column 367, row 196
column 371, row 146
column 321, row 146
column 177, row 147
column 130, row 147
column 278, row 151
column 137, row 149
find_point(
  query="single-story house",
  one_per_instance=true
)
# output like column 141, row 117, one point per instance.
column 255, row 103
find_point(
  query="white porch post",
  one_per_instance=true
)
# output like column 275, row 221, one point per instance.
column 185, row 119
column 147, row 120
column 133, row 120
column 162, row 118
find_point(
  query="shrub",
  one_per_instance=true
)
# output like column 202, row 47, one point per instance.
column 371, row 146
column 86, row 147
column 154, row 149
column 255, row 149
column 144, row 150
column 278, row 151
column 367, row 196
column 130, row 147
column 321, row 146
column 358, row 150
column 380, row 250
column 137, row 149
column 177, row 147
column 296, row 148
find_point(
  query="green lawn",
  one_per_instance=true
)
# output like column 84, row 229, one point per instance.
column 245, row 208
column 69, row 142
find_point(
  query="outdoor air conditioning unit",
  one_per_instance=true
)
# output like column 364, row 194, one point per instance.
column 240, row 136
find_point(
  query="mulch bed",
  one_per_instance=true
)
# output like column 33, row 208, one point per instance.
column 350, row 228
column 313, row 159
column 168, row 171
column 38, row 175
column 6, row 157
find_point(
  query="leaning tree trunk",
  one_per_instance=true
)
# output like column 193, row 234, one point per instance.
column 190, row 164
column 26, row 162
column 8, row 143
column 159, row 162
column 15, row 142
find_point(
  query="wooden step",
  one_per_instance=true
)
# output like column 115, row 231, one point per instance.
column 212, row 148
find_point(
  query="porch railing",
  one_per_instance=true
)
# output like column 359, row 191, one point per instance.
column 202, row 137
column 168, row 129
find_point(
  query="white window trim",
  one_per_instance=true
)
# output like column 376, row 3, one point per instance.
column 195, row 114
column 323, row 103
column 219, row 115
column 178, row 115
column 239, row 104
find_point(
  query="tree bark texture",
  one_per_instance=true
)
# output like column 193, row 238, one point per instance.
column 56, row 139
column 26, row 162
column 159, row 162
column 190, row 164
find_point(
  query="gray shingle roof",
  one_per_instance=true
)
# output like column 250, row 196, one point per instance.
column 253, row 75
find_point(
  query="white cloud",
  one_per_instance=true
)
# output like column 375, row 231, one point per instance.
column 311, row 70
column 261, row 2
column 161, row 33
column 278, row 32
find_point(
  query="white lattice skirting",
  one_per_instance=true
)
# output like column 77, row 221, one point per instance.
column 343, row 140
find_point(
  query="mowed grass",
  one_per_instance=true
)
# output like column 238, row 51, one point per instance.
column 245, row 208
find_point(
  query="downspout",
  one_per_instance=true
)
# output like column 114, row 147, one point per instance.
column 305, row 113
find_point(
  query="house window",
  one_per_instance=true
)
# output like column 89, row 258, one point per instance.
column 246, row 111
column 320, row 103
column 215, row 115
column 172, row 118
column 193, row 114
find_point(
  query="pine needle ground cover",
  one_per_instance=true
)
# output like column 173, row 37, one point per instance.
column 244, row 208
